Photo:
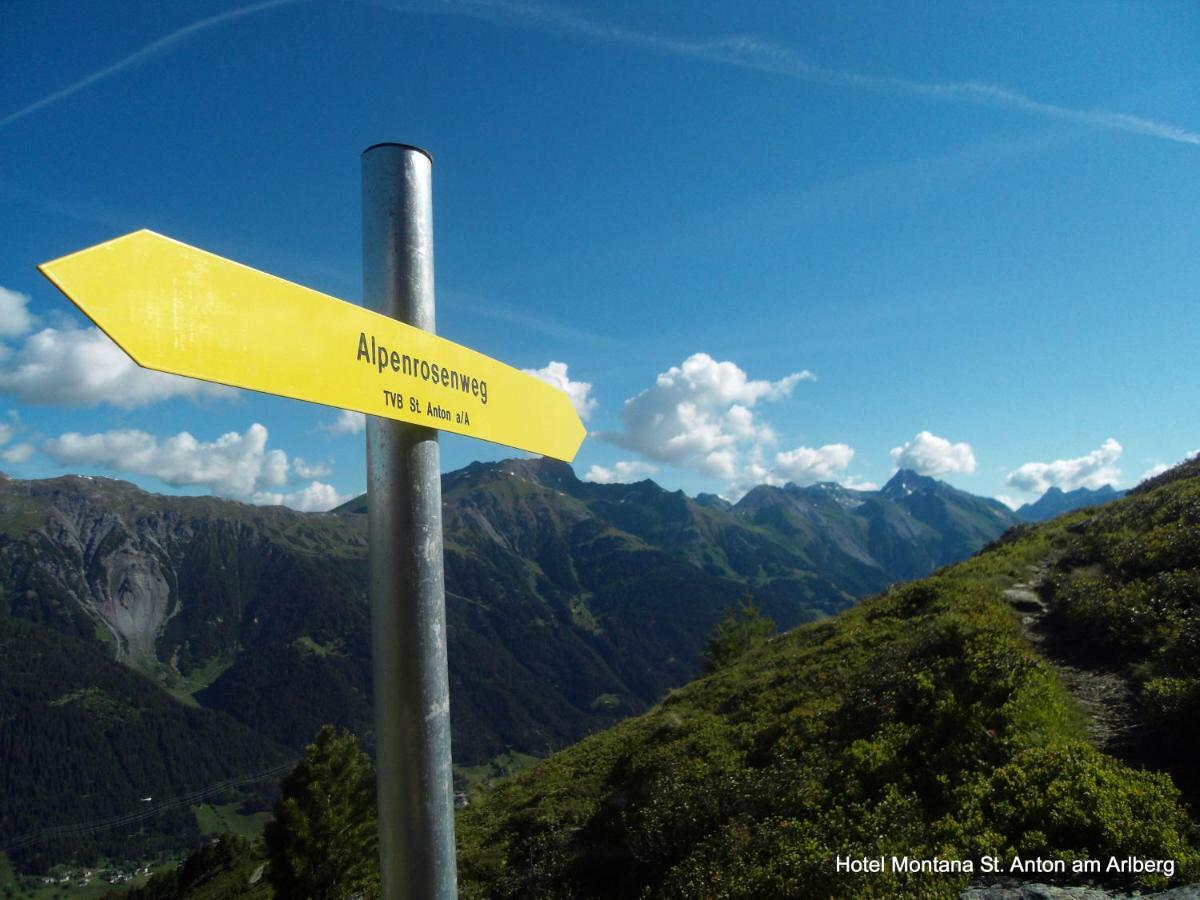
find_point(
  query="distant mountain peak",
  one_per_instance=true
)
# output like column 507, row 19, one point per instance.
column 1056, row 501
column 906, row 482
column 762, row 495
column 713, row 501
column 543, row 470
column 546, row 472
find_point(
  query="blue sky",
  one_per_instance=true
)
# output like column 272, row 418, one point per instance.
column 767, row 241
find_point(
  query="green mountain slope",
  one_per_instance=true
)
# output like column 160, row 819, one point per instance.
column 83, row 739
column 570, row 605
column 1124, row 597
column 921, row 723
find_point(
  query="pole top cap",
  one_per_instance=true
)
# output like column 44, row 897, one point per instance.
column 400, row 146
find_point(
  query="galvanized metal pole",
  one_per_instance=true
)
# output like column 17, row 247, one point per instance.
column 404, row 503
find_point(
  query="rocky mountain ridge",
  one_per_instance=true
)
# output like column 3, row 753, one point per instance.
column 1056, row 501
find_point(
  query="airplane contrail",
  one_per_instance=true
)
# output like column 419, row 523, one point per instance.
column 763, row 56
column 150, row 50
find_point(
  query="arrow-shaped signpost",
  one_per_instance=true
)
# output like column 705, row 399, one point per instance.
column 178, row 309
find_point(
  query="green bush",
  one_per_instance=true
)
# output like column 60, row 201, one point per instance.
column 737, row 632
column 1070, row 801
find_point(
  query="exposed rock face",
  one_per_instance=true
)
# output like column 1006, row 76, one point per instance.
column 121, row 579
column 101, row 558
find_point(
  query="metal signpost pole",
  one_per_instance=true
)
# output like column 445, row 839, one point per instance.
column 179, row 309
column 404, row 497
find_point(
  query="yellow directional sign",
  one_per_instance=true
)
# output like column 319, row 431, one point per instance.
column 178, row 309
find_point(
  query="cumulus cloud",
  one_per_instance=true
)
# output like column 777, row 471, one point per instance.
column 317, row 497
column 854, row 483
column 18, row 453
column 1092, row 470
column 347, row 422
column 1011, row 502
column 703, row 415
column 1159, row 468
column 700, row 415
column 555, row 375
column 82, row 367
column 234, row 464
column 622, row 472
column 928, row 454
column 1154, row 470
column 15, row 318
column 804, row 465
column 304, row 470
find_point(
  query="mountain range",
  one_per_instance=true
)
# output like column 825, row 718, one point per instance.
column 1056, row 501
column 570, row 606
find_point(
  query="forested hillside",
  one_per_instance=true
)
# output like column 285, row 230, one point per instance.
column 83, row 739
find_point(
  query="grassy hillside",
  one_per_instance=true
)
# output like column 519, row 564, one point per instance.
column 1126, row 591
column 922, row 723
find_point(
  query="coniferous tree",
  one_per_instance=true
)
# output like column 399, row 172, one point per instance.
column 736, row 633
column 322, row 842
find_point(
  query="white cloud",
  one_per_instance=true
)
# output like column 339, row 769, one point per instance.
column 1093, row 470
column 699, row 415
column 804, row 465
column 234, row 464
column 1159, row 468
column 347, row 422
column 928, row 454
column 15, row 318
column 854, row 483
column 555, row 375
column 1011, row 502
column 18, row 453
column 82, row 367
column 304, row 470
column 317, row 497
column 1153, row 471
column 622, row 472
